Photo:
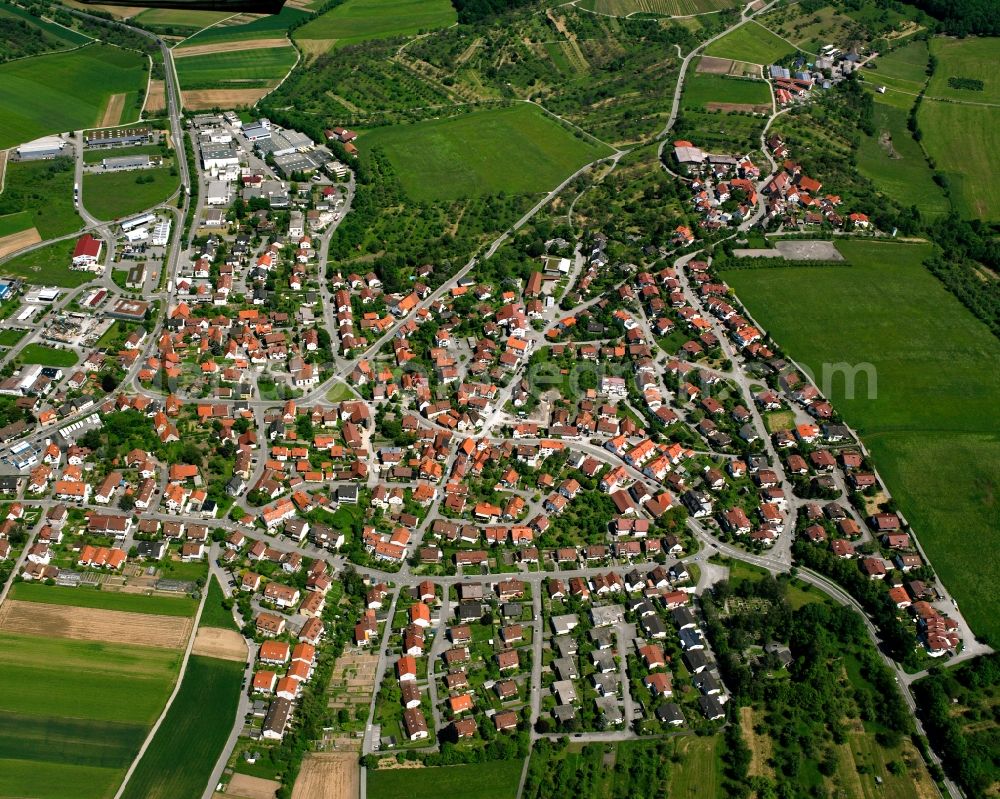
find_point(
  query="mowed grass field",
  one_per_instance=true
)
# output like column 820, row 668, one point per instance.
column 179, row 761
column 117, row 194
column 240, row 69
column 751, row 42
column 64, row 91
column 934, row 425
column 703, row 88
column 267, row 26
column 359, row 20
column 963, row 141
column 495, row 780
column 47, row 356
column 892, row 158
column 518, row 150
column 104, row 600
column 699, row 772
column 47, row 266
column 974, row 58
column 960, row 136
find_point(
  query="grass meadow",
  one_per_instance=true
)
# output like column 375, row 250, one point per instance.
column 702, row 88
column 932, row 426
column 104, row 600
column 973, row 57
column 189, row 735
column 113, row 195
column 43, row 190
column 963, row 141
column 495, row 780
column 47, row 266
column 214, row 614
column 751, row 42
column 239, row 69
column 182, row 20
column 15, row 223
column 959, row 133
column 64, row 91
column 267, row 27
column 894, row 160
column 518, row 150
column 699, row 772
column 360, row 20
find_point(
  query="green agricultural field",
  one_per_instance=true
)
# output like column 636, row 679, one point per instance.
column 494, row 780
column 117, row 194
column 267, row 27
column 15, row 223
column 181, row 20
column 61, row 677
column 44, row 191
column 359, row 20
column 240, row 69
column 932, row 424
column 214, row 614
column 701, row 89
column 47, row 356
column 663, row 8
column 893, row 159
column 189, row 735
column 104, row 600
column 905, row 69
column 518, row 150
column 963, row 141
column 50, row 780
column 47, row 266
column 751, row 42
column 974, row 58
column 64, row 91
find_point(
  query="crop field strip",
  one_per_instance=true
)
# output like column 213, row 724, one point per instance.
column 360, row 20
column 933, row 422
column 242, row 69
column 663, row 8
column 188, row 735
column 267, row 26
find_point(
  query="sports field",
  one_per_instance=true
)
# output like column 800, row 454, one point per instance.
column 267, row 26
column 64, row 91
column 750, row 42
column 240, row 69
column 495, row 780
column 932, row 426
column 47, row 266
column 117, row 194
column 700, row 89
column 893, row 159
column 359, row 20
column 518, row 150
column 104, row 600
column 47, row 356
column 193, row 733
column 665, row 8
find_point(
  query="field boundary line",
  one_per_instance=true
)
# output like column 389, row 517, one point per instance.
column 207, row 27
column 173, row 694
